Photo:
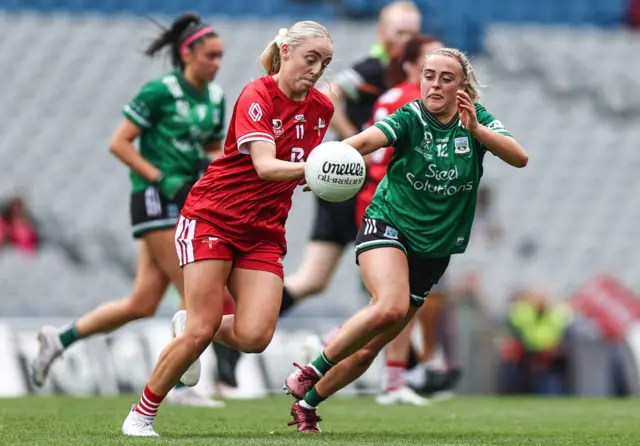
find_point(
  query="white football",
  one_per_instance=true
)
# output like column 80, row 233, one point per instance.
column 335, row 171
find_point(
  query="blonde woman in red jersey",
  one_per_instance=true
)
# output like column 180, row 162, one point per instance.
column 232, row 227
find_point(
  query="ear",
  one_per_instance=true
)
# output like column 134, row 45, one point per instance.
column 285, row 51
column 184, row 54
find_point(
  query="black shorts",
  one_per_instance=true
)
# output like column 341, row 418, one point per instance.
column 424, row 272
column 150, row 211
column 335, row 222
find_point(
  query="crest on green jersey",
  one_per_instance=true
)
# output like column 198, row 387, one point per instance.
column 462, row 145
column 428, row 140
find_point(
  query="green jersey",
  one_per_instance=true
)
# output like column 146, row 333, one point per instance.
column 430, row 189
column 177, row 123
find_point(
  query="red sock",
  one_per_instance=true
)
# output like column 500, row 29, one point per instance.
column 393, row 378
column 149, row 403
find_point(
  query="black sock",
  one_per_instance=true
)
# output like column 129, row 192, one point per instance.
column 412, row 359
column 287, row 301
column 227, row 363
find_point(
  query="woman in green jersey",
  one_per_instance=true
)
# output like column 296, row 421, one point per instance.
column 177, row 119
column 420, row 215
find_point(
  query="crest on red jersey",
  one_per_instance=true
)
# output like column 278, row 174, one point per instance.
column 321, row 124
column 277, row 126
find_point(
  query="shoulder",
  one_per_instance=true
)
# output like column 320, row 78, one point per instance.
column 161, row 88
column 256, row 90
column 322, row 100
column 391, row 96
column 480, row 108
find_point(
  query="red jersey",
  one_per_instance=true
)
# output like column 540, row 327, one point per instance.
column 230, row 196
column 386, row 104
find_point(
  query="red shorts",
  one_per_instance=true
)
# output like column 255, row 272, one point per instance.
column 199, row 240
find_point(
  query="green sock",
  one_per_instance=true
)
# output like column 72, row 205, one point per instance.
column 69, row 335
column 312, row 398
column 179, row 385
column 322, row 364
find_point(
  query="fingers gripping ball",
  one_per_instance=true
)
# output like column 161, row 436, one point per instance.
column 335, row 171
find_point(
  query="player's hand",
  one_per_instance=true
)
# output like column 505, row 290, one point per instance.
column 303, row 182
column 467, row 111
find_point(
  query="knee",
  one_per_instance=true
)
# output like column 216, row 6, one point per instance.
column 387, row 315
column 199, row 336
column 254, row 340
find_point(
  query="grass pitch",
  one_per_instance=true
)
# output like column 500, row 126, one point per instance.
column 358, row 421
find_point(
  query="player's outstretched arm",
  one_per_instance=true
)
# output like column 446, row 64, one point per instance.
column 122, row 147
column 263, row 155
column 504, row 147
column 368, row 141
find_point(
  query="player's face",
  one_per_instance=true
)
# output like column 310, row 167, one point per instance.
column 305, row 64
column 397, row 29
column 205, row 59
column 441, row 79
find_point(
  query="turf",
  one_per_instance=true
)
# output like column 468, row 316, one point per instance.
column 460, row 421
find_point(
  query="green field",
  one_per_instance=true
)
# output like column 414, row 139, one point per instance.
column 460, row 421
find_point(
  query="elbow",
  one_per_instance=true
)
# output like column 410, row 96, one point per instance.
column 115, row 147
column 264, row 173
column 522, row 161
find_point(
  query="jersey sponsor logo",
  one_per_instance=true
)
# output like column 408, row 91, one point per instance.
column 438, row 181
column 277, row 126
column 443, row 140
column 299, row 118
column 461, row 145
column 460, row 241
column 255, row 112
column 391, row 233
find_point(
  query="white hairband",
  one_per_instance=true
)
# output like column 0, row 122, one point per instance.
column 280, row 37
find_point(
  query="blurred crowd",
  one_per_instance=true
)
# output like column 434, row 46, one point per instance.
column 18, row 229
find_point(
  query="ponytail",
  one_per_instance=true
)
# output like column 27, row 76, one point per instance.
column 270, row 59
column 186, row 31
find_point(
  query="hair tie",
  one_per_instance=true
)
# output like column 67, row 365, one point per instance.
column 195, row 36
column 279, row 39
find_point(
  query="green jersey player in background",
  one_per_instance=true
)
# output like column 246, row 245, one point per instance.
column 420, row 215
column 178, row 121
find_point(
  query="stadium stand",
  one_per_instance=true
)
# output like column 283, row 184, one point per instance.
column 568, row 94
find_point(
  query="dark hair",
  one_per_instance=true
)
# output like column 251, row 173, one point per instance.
column 182, row 28
column 412, row 49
